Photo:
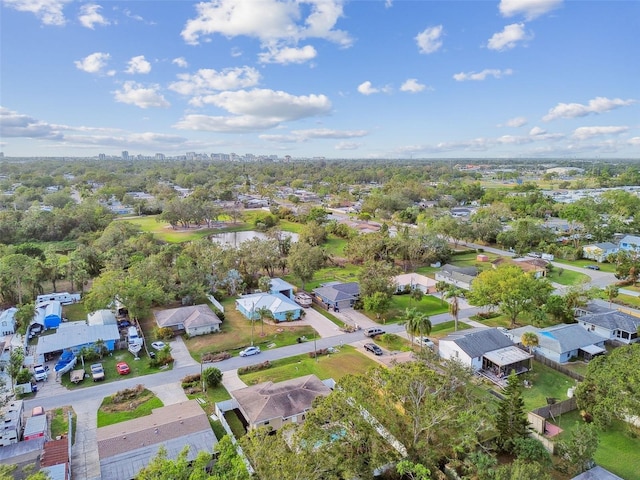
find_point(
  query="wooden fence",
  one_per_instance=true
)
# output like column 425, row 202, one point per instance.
column 559, row 367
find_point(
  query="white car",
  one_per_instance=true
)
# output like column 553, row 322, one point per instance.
column 158, row 345
column 250, row 351
column 426, row 342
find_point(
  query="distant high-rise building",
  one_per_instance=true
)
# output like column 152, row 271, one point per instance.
column 101, row 156
column 125, row 155
column 159, row 156
column 191, row 155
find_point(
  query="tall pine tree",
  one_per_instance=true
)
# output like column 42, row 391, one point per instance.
column 511, row 421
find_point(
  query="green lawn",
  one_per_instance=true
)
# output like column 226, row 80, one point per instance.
column 429, row 305
column 138, row 368
column 60, row 422
column 393, row 342
column 336, row 365
column 236, row 333
column 122, row 412
column 604, row 267
column 547, row 383
column 348, row 273
column 74, row 312
column 335, row 246
column 568, row 277
column 618, row 451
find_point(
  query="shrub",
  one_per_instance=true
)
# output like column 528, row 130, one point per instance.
column 219, row 314
column 212, row 376
column 322, row 351
column 127, row 394
column 215, row 357
column 163, row 333
column 255, row 368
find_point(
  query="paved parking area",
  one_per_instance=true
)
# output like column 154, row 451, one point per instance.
column 321, row 324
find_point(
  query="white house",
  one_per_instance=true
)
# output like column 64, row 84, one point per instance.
column 484, row 349
column 563, row 342
column 193, row 319
column 612, row 325
column 8, row 321
column 630, row 243
column 415, row 280
column 458, row 276
column 599, row 251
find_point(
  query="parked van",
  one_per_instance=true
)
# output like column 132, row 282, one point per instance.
column 373, row 331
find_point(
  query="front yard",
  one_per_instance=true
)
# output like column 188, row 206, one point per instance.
column 127, row 405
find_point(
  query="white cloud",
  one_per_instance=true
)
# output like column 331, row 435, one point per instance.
column 48, row 11
column 597, row 105
column 508, row 38
column 90, row 16
column 515, row 122
column 634, row 141
column 255, row 110
column 180, row 61
column 367, row 88
column 529, row 8
column 347, row 146
column 287, row 55
column 138, row 65
column 535, row 131
column 329, row 133
column 478, row 76
column 584, row 133
column 133, row 93
column 271, row 21
column 412, row 85
column 14, row 124
column 207, row 80
column 93, row 63
column 429, row 40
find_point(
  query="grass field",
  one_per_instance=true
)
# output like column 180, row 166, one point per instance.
column 336, row 365
column 110, row 413
column 568, row 277
column 60, row 422
column 546, row 383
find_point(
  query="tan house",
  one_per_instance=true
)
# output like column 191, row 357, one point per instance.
column 193, row 319
column 276, row 404
column 533, row 266
column 125, row 448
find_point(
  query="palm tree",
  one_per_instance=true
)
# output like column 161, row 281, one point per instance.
column 264, row 312
column 417, row 323
column 441, row 287
column 454, row 306
column 611, row 291
column 530, row 340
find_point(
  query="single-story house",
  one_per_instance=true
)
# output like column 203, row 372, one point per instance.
column 461, row 277
column 278, row 304
column 563, row 342
column 193, row 319
column 126, row 447
column 415, row 280
column 280, row 286
column 102, row 317
column 8, row 321
column 534, row 266
column 75, row 335
column 612, row 325
column 599, row 251
column 338, row 294
column 51, row 313
column 630, row 243
column 276, row 404
column 486, row 350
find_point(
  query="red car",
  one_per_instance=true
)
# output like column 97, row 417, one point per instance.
column 122, row 368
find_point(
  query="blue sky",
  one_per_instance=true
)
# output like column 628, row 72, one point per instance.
column 329, row 78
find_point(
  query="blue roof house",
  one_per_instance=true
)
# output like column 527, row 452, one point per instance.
column 630, row 243
column 52, row 314
column 280, row 286
column 276, row 303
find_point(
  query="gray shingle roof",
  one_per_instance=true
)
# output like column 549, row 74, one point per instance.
column 190, row 316
column 565, row 338
column 270, row 400
column 613, row 320
column 338, row 291
column 478, row 341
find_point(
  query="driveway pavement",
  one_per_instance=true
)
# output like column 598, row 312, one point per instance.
column 231, row 381
column 321, row 324
column 180, row 354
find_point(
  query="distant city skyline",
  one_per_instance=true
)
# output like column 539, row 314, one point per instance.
column 334, row 78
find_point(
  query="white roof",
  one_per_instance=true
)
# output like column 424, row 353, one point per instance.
column 593, row 349
column 275, row 302
column 74, row 334
column 102, row 317
column 507, row 356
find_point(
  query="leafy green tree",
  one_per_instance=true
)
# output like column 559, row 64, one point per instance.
column 229, row 465
column 19, row 275
column 522, row 470
column 377, row 277
column 16, row 360
column 212, row 376
column 304, row 261
column 612, row 292
column 263, row 313
column 413, row 471
column 378, row 303
column 577, row 451
column 531, row 450
column 162, row 467
column 264, row 284
column 511, row 290
column 530, row 340
column 441, row 287
column 511, row 420
column 454, row 293
column 24, row 316
column 609, row 389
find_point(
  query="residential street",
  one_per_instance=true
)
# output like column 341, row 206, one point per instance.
column 166, row 385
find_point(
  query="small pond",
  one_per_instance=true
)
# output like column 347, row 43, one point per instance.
column 236, row 238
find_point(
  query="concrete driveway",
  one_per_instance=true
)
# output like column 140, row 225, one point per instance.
column 321, row 324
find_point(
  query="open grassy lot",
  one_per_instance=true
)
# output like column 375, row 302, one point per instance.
column 429, row 305
column 74, row 312
column 59, row 421
column 335, row 365
column 348, row 273
column 120, row 408
column 335, row 246
column 236, row 333
column 604, row 267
